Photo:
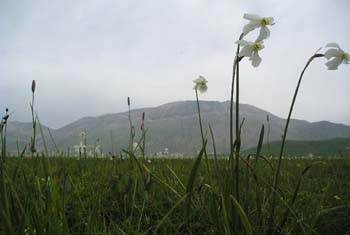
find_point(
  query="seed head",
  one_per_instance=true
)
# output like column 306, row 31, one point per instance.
column 128, row 101
column 33, row 86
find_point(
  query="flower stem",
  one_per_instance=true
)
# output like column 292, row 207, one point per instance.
column 32, row 144
column 237, row 134
column 231, row 115
column 276, row 178
column 131, row 137
column 202, row 134
column 235, row 64
column 2, row 141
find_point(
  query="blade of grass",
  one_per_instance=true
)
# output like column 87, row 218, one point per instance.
column 215, row 154
column 257, row 188
column 162, row 181
column 190, row 183
column 168, row 214
column 225, row 215
column 295, row 194
column 176, row 177
column 245, row 221
column 323, row 213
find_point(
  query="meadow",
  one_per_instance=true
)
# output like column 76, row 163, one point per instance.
column 114, row 196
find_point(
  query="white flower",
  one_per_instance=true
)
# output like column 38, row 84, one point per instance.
column 82, row 135
column 149, row 161
column 336, row 56
column 258, row 22
column 200, row 84
column 251, row 50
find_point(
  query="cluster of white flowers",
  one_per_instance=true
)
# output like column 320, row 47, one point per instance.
column 251, row 48
column 335, row 55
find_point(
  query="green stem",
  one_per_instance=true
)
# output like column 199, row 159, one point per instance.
column 231, row 106
column 235, row 64
column 131, row 139
column 5, row 133
column 237, row 134
column 2, row 142
column 202, row 134
column 276, row 178
column 32, row 144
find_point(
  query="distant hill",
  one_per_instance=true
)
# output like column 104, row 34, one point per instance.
column 175, row 126
column 333, row 147
column 19, row 134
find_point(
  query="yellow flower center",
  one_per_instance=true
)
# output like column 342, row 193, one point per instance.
column 265, row 21
column 257, row 46
column 344, row 56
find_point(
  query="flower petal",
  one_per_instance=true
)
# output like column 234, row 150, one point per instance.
column 203, row 88
column 250, row 27
column 270, row 20
column 333, row 44
column 347, row 59
column 246, row 51
column 264, row 33
column 252, row 17
column 332, row 53
column 255, row 58
column 244, row 43
column 334, row 63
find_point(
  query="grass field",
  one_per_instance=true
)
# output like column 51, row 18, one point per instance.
column 103, row 196
column 338, row 147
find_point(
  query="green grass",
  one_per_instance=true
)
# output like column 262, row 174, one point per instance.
column 133, row 196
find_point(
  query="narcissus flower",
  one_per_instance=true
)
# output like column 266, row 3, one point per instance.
column 251, row 50
column 336, row 56
column 200, row 84
column 258, row 22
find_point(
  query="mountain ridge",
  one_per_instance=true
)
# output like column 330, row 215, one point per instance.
column 174, row 126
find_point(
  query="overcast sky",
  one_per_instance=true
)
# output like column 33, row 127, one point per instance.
column 87, row 56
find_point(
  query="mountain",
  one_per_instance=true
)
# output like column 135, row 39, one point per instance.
column 19, row 134
column 332, row 147
column 175, row 126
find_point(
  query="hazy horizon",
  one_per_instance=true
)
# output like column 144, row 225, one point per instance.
column 137, row 108
column 88, row 56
